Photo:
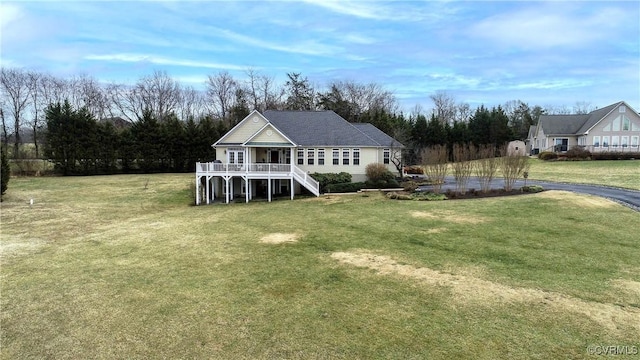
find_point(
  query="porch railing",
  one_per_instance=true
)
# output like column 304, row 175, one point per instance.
column 213, row 167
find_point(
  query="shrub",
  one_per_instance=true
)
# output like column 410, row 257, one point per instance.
column 615, row 155
column 532, row 189
column 345, row 187
column 409, row 186
column 578, row 153
column 430, row 197
column 547, row 155
column 378, row 172
column 381, row 184
column 326, row 179
column 396, row 196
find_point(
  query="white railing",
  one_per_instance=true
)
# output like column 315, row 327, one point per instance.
column 221, row 168
column 306, row 180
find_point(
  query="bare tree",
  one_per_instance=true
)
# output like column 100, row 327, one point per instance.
column 486, row 166
column 583, row 107
column 434, row 161
column 444, row 107
column 512, row 166
column 87, row 92
column 462, row 165
column 157, row 93
column 190, row 104
column 463, row 112
column 221, row 90
column 16, row 92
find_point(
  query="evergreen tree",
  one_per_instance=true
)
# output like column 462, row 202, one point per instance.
column 150, row 150
column 5, row 172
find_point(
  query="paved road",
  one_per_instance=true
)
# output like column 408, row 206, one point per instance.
column 630, row 198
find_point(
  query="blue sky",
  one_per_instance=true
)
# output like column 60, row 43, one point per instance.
column 481, row 52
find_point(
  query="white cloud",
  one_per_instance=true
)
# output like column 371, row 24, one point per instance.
column 123, row 57
column 550, row 26
column 9, row 13
column 308, row 47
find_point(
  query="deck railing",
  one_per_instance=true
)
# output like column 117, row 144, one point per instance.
column 222, row 168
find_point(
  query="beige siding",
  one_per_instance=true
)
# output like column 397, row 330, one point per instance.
column 367, row 156
column 246, row 129
column 269, row 135
column 607, row 123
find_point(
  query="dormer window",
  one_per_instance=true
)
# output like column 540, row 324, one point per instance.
column 622, row 108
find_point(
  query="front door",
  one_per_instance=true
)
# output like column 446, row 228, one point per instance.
column 274, row 156
column 561, row 145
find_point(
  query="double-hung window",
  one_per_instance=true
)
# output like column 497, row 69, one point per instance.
column 311, row 156
column 300, row 156
column 356, row 156
column 320, row 156
column 596, row 141
column 386, row 156
column 345, row 156
column 336, row 156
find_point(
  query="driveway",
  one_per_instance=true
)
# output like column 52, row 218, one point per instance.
column 630, row 198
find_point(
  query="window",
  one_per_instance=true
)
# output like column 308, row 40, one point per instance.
column 616, row 124
column 356, row 156
column 320, row 156
column 596, row 141
column 624, row 141
column 626, row 123
column 622, row 108
column 336, row 156
column 345, row 156
column 300, row 156
column 311, row 153
column 581, row 141
column 605, row 141
column 386, row 156
column 634, row 141
column 287, row 156
column 615, row 140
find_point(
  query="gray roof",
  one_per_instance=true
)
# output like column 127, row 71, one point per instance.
column 574, row 124
column 324, row 128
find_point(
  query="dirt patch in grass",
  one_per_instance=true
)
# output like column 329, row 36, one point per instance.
column 580, row 200
column 448, row 216
column 279, row 238
column 628, row 287
column 435, row 230
column 470, row 289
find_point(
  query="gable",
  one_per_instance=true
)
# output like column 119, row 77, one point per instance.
column 268, row 136
column 246, row 129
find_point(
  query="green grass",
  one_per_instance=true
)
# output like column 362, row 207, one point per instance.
column 100, row 267
column 620, row 173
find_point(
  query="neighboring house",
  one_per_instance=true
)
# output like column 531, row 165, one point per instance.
column 274, row 153
column 613, row 128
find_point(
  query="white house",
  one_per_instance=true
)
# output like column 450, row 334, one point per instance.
column 613, row 128
column 274, row 153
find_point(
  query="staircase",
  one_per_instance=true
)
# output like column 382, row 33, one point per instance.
column 305, row 180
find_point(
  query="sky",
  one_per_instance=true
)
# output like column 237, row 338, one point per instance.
column 481, row 52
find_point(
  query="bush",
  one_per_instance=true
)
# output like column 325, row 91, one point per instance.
column 345, row 187
column 378, row 172
column 578, row 153
column 381, row 184
column 409, row 186
column 615, row 155
column 547, row 155
column 532, row 189
column 326, row 179
column 396, row 196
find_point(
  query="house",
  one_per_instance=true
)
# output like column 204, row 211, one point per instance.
column 274, row 153
column 613, row 128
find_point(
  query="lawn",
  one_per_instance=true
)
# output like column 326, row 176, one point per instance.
column 620, row 173
column 124, row 267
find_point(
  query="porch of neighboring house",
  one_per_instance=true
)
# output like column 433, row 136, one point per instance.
column 242, row 177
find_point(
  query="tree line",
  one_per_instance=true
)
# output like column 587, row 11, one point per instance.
column 161, row 105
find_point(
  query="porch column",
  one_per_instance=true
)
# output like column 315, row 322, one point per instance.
column 291, row 188
column 246, row 189
column 226, row 185
column 198, row 190
column 206, row 190
column 269, row 188
column 212, row 183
